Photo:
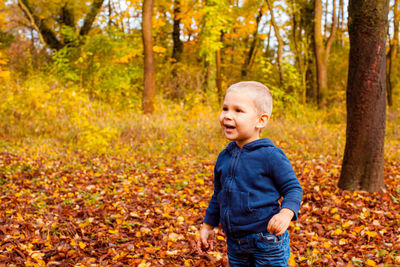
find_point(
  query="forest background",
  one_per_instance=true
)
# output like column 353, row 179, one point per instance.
column 89, row 175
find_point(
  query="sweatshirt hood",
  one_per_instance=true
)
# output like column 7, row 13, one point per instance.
column 262, row 142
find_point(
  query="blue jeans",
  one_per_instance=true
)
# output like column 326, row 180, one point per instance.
column 262, row 249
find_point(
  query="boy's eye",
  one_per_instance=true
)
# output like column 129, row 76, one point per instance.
column 224, row 108
column 238, row 110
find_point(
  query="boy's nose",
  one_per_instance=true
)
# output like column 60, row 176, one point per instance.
column 228, row 115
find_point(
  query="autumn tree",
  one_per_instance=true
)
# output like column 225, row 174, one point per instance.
column 363, row 160
column 322, row 51
column 279, row 39
column 213, row 25
column 253, row 46
column 149, row 68
column 176, row 33
column 392, row 54
column 58, row 29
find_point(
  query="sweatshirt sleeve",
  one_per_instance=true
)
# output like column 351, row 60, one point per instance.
column 212, row 212
column 286, row 181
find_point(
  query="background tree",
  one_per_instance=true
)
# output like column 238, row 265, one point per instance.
column 176, row 33
column 149, row 68
column 392, row 54
column 363, row 160
column 65, row 18
column 322, row 51
column 279, row 39
column 253, row 46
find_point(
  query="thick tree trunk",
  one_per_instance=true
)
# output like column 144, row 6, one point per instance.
column 363, row 159
column 149, row 69
column 176, row 33
column 280, row 42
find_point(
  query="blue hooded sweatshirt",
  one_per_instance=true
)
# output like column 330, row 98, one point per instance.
column 248, row 184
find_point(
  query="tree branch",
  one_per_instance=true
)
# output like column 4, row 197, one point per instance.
column 90, row 17
column 46, row 35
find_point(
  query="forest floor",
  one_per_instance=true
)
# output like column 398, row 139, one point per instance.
column 76, row 209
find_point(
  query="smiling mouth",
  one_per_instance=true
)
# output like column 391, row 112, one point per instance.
column 229, row 127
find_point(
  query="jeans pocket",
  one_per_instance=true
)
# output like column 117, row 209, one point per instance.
column 270, row 240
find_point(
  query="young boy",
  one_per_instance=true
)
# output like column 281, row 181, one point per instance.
column 250, row 177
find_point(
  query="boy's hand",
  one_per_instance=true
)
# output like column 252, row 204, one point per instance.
column 280, row 222
column 206, row 237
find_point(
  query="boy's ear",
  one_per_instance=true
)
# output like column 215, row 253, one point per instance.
column 262, row 120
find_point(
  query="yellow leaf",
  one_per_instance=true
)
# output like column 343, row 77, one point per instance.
column 113, row 231
column 220, row 237
column 337, row 232
column 334, row 210
column 82, row 245
column 159, row 49
column 292, row 261
column 216, row 254
column 370, row 263
column 327, row 245
column 359, row 228
column 200, row 181
column 175, row 237
column 371, row 234
column 144, row 264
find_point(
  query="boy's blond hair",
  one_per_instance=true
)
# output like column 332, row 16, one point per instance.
column 261, row 94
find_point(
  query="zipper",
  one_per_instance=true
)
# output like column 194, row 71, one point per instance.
column 228, row 210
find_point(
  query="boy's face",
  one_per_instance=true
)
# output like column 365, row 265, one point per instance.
column 239, row 118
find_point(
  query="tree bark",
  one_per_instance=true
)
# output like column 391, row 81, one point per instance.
column 47, row 35
column 149, row 69
column 176, row 33
column 322, row 52
column 340, row 24
column 218, row 61
column 90, row 17
column 363, row 160
column 280, row 43
column 250, row 55
column 392, row 52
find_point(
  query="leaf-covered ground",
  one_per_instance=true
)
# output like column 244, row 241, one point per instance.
column 75, row 209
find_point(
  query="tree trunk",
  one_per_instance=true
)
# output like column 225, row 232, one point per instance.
column 47, row 35
column 149, row 69
column 90, row 17
column 176, row 33
column 322, row 52
column 392, row 52
column 322, row 80
column 363, row 160
column 219, row 74
column 250, row 55
column 280, row 42
column 340, row 24
column 218, row 60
